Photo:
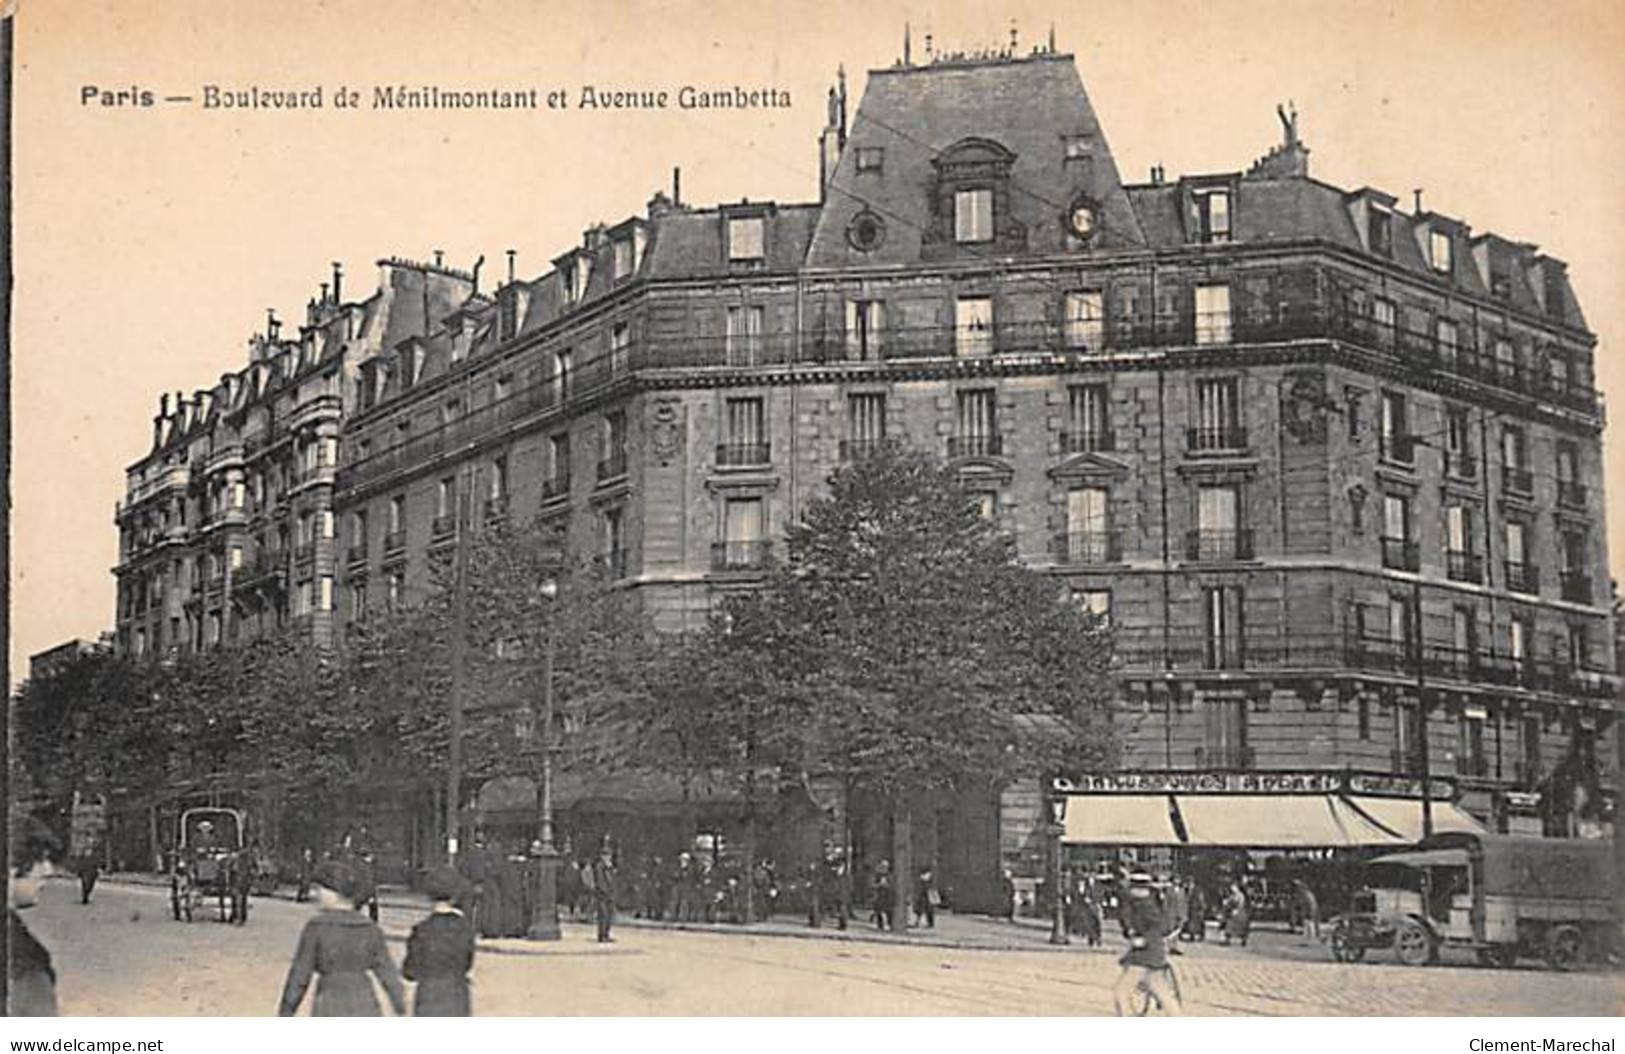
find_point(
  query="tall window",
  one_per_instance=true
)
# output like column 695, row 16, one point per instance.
column 1385, row 319
column 613, row 440
column 745, row 440
column 744, row 335
column 743, row 543
column 498, row 491
column 973, row 326
column 1464, row 632
column 563, row 366
column 1447, row 334
column 973, row 215
column 1506, row 361
column 745, row 238
column 1217, row 415
column 1088, row 419
column 1212, row 314
column 615, row 542
column 397, row 513
column 559, row 457
column 865, row 424
column 623, row 258
column 324, row 593
column 1518, row 637
column 1396, row 517
column 1222, row 627
column 620, row 347
column 1214, row 208
column 1515, row 460
column 865, row 329
column 978, row 424
column 1088, row 537
column 445, row 498
column 1218, row 534
column 1086, row 320
column 1458, row 444
column 1396, row 437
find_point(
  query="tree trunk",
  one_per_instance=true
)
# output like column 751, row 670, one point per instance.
column 902, row 859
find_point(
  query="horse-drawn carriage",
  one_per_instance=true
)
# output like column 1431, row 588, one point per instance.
column 210, row 848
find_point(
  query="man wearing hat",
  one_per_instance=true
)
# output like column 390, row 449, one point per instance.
column 603, row 892
column 440, row 951
column 1146, row 960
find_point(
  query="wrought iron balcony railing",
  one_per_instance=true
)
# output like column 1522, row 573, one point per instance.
column 1088, row 441
column 1572, row 495
column 1400, row 554
column 1517, row 480
column 556, row 487
column 1461, row 464
column 858, row 449
column 976, row 446
column 740, row 556
column 1522, row 577
column 1216, row 438
column 1088, row 547
column 1464, row 566
column 1218, row 545
column 1576, row 586
column 744, row 454
column 612, row 466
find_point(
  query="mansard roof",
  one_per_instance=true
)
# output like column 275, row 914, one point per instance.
column 914, row 114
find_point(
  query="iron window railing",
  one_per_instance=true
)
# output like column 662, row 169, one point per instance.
column 976, row 446
column 740, row 555
column 1216, row 437
column 1400, row 554
column 1464, row 566
column 1088, row 547
column 1205, row 545
column 743, row 454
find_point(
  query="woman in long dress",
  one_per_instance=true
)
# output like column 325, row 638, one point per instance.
column 340, row 947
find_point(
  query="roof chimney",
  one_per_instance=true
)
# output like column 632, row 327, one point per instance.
column 272, row 326
column 676, row 186
column 439, row 257
column 1416, row 197
column 511, row 254
column 338, row 279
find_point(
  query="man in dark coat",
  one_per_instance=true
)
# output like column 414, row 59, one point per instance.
column 1145, row 923
column 244, row 866
column 925, row 897
column 881, row 889
column 603, row 893
column 88, row 866
column 440, row 952
column 307, row 866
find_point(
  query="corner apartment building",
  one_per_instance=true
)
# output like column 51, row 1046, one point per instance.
column 1333, row 468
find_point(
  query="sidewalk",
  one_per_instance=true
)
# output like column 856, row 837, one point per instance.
column 978, row 932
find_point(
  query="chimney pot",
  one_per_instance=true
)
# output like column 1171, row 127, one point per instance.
column 676, row 186
column 338, row 277
column 439, row 255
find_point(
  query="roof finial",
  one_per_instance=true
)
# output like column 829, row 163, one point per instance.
column 1052, row 38
column 908, row 59
column 1416, row 193
column 1289, row 122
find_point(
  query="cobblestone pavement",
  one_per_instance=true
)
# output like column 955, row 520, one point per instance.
column 123, row 955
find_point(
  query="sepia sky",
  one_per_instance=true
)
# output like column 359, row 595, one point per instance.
column 150, row 241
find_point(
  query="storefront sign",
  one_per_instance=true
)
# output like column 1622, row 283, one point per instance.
column 1249, row 783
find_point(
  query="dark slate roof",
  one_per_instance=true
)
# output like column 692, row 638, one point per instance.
column 915, row 113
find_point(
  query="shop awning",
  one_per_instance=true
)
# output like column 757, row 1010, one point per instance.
column 1262, row 821
column 1119, row 819
column 1402, row 817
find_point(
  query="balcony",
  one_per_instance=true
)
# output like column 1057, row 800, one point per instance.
column 858, row 449
column 1204, row 545
column 1517, row 480
column 1464, row 567
column 740, row 556
column 1216, row 439
column 1460, row 464
column 1232, row 758
column 975, row 446
column 557, row 487
column 741, row 455
column 1400, row 554
column 1405, row 762
column 356, row 553
column 444, row 526
column 1088, row 547
column 1397, row 449
column 1576, row 586
column 1572, row 495
column 612, row 467
column 394, row 542
column 1522, row 578
column 1088, row 441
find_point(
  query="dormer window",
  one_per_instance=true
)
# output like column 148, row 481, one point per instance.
column 1382, row 232
column 1213, row 209
column 970, row 201
column 746, row 238
column 507, row 312
column 583, row 273
column 1439, row 251
column 624, row 265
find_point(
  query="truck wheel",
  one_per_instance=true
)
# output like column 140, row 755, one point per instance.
column 1414, row 945
column 1564, row 948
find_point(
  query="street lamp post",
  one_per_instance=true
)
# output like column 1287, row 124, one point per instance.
column 544, row 923
column 1057, row 816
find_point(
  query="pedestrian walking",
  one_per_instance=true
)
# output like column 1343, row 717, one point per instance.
column 1175, row 906
column 1237, row 918
column 1195, row 911
column 1007, row 895
column 307, row 867
column 881, row 890
column 339, row 947
column 440, row 951
column 1089, row 910
column 926, row 898
column 1305, row 908
column 30, row 977
column 88, row 866
column 1145, row 963
column 603, row 893
column 240, row 876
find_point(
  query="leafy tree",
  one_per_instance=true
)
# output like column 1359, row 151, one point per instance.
column 905, row 645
